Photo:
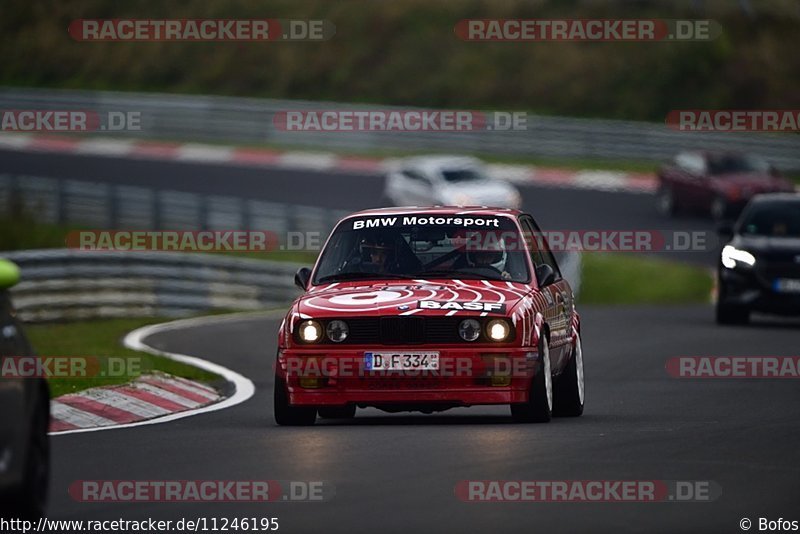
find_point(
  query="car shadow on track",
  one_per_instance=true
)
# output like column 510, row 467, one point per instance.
column 772, row 322
column 425, row 419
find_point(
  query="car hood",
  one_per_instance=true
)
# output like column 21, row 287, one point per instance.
column 412, row 297
column 762, row 244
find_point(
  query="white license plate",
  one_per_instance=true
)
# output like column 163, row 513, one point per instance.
column 787, row 285
column 401, row 361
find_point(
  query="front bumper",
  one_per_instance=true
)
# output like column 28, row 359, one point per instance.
column 331, row 376
column 754, row 290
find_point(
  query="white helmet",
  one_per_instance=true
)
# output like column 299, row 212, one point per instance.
column 488, row 254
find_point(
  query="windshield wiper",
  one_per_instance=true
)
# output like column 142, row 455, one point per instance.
column 451, row 274
column 358, row 276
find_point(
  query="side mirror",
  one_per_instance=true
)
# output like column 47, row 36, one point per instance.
column 545, row 275
column 9, row 274
column 301, row 277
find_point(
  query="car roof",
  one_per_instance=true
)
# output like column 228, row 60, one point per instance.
column 441, row 161
column 776, row 197
column 437, row 210
column 706, row 153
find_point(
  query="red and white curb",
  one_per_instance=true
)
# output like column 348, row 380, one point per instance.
column 306, row 160
column 147, row 397
column 153, row 399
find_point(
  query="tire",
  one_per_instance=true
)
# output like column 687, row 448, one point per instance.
column 287, row 415
column 719, row 209
column 338, row 412
column 665, row 201
column 569, row 390
column 539, row 408
column 30, row 500
column 728, row 314
column 732, row 314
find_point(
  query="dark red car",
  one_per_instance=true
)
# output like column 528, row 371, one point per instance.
column 716, row 183
column 426, row 309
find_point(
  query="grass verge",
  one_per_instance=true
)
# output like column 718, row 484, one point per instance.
column 102, row 339
column 628, row 279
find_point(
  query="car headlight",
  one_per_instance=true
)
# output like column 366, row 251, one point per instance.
column 731, row 255
column 337, row 331
column 469, row 329
column 498, row 329
column 310, row 331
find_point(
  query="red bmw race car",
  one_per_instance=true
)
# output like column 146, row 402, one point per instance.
column 426, row 309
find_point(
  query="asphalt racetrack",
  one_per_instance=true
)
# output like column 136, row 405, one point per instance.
column 556, row 209
column 398, row 473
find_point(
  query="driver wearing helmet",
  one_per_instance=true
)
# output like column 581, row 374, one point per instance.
column 377, row 255
column 490, row 255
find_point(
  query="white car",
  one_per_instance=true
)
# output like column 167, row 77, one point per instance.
column 447, row 181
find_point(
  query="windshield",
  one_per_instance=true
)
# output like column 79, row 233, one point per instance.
column 424, row 245
column 731, row 163
column 463, row 175
column 773, row 220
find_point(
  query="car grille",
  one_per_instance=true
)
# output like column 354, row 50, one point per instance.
column 402, row 330
column 393, row 330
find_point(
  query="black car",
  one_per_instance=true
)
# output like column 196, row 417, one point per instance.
column 24, row 418
column 759, row 269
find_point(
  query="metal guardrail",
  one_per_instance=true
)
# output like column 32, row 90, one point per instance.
column 59, row 284
column 249, row 120
column 113, row 206
column 63, row 284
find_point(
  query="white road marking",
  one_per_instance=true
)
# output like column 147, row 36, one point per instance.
column 244, row 387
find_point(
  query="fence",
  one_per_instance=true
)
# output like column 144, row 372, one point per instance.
column 62, row 284
column 248, row 120
column 112, row 206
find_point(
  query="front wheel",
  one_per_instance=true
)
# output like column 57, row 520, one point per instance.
column 729, row 314
column 732, row 314
column 539, row 408
column 568, row 391
column 288, row 415
column 719, row 209
column 29, row 500
column 665, row 201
